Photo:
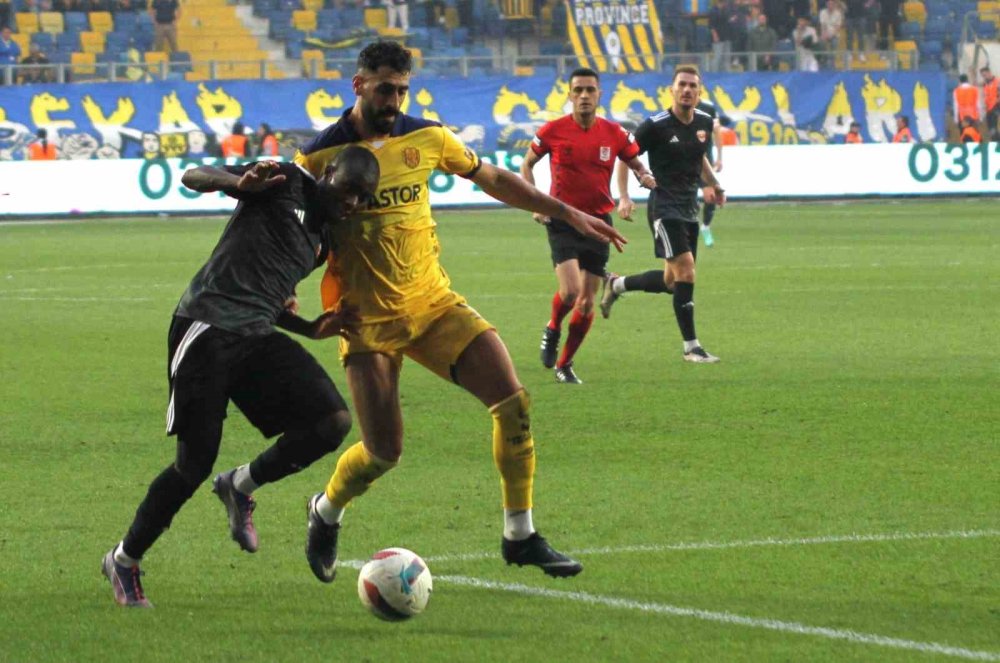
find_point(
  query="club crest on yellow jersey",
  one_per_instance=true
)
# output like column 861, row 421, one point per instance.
column 411, row 157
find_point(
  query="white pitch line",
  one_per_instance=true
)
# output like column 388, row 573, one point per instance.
column 750, row 543
column 17, row 298
column 856, row 637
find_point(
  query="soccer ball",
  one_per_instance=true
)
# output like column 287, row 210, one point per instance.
column 395, row 584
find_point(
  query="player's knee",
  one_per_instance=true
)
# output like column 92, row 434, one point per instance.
column 194, row 471
column 585, row 305
column 332, row 429
column 569, row 297
column 196, row 455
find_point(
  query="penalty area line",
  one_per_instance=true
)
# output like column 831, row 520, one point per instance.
column 750, row 543
column 729, row 618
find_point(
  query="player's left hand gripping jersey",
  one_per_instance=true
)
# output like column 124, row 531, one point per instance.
column 385, row 256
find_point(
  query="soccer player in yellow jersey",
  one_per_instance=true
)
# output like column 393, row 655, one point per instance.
column 385, row 264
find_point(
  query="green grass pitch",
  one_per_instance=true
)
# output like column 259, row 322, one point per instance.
column 828, row 492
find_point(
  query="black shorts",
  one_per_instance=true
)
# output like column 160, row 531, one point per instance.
column 270, row 378
column 568, row 244
column 672, row 237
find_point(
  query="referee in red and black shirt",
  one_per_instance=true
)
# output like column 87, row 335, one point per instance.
column 582, row 150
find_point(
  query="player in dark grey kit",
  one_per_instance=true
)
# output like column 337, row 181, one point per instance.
column 714, row 140
column 223, row 346
column 676, row 140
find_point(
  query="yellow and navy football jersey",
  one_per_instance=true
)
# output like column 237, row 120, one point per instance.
column 385, row 256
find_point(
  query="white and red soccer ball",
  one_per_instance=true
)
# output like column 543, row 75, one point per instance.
column 395, row 584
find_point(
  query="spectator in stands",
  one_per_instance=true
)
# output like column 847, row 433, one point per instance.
column 854, row 134
column 806, row 41
column 121, row 6
column 235, row 144
column 800, row 8
column 990, row 103
column 150, row 145
column 37, row 73
column 398, row 14
column 165, row 15
column 98, row 5
column 10, row 51
column 267, row 143
column 859, row 29
column 197, row 144
column 5, row 14
column 966, row 101
column 779, row 16
column 763, row 40
column 970, row 133
column 68, row 6
column 888, row 18
column 727, row 135
column 903, row 133
column 725, row 22
column 831, row 20
column 41, row 149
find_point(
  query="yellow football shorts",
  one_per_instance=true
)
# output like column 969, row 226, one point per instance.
column 435, row 338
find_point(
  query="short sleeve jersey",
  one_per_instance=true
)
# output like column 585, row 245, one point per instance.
column 385, row 256
column 582, row 160
column 273, row 240
column 675, row 152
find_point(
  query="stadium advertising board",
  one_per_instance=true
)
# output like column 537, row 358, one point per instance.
column 130, row 186
column 178, row 119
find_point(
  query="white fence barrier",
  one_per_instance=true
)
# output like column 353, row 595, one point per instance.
column 127, row 186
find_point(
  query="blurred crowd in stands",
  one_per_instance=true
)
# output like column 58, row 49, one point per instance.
column 730, row 35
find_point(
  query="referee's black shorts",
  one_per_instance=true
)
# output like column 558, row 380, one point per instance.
column 271, row 379
column 566, row 243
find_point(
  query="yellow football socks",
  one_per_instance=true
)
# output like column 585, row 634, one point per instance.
column 514, row 449
column 356, row 470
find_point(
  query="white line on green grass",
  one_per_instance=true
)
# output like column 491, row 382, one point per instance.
column 728, row 618
column 752, row 543
column 18, row 298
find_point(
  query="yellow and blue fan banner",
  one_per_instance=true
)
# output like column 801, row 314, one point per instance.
column 615, row 36
column 187, row 120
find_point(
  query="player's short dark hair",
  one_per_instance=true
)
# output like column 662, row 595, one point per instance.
column 983, row 69
column 963, row 78
column 584, row 71
column 904, row 119
column 686, row 69
column 357, row 165
column 385, row 54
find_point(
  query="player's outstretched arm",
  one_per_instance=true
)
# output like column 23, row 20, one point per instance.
column 528, row 173
column 340, row 322
column 508, row 188
column 206, row 179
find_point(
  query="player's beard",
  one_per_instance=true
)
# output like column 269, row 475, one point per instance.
column 379, row 121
